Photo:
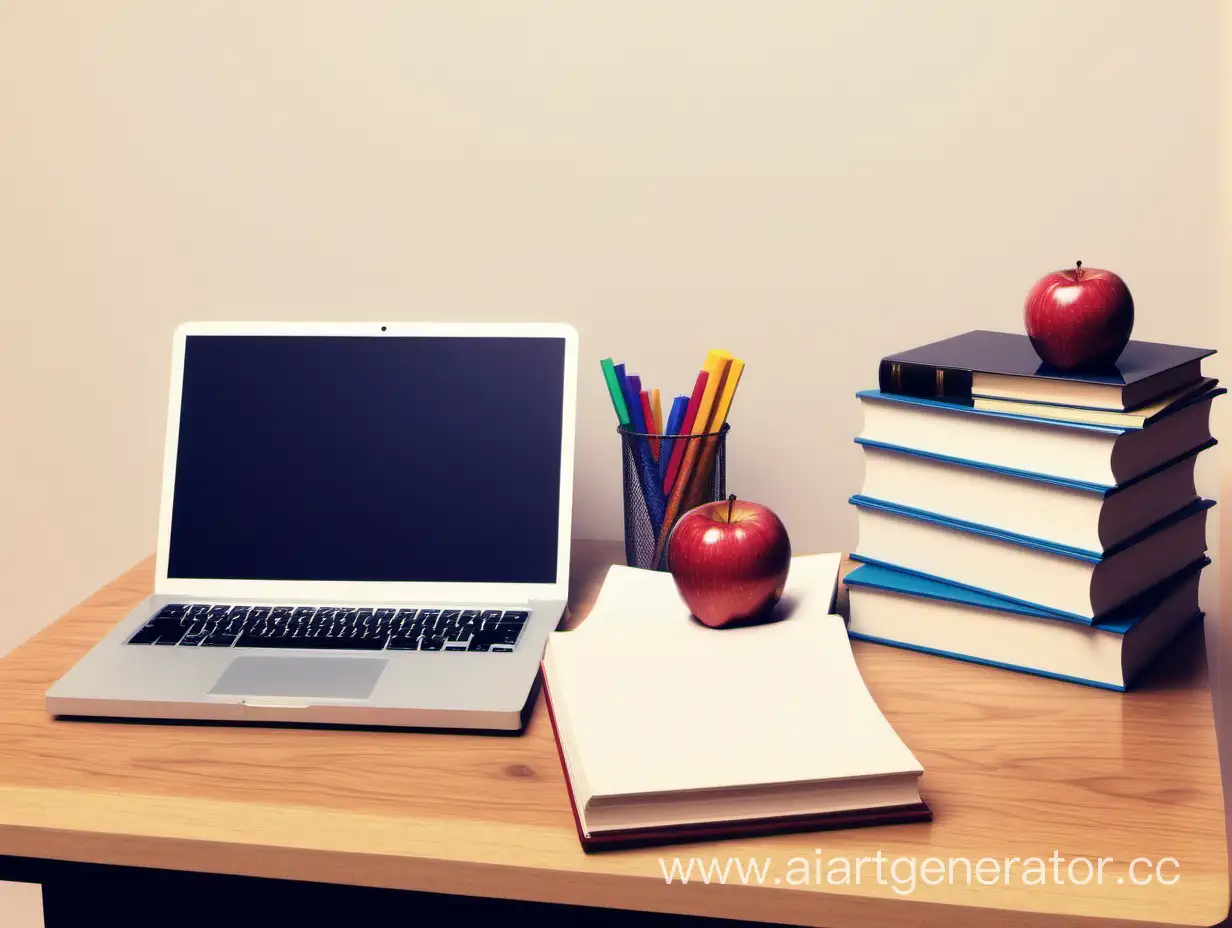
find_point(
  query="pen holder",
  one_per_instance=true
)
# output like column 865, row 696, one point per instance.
column 657, row 492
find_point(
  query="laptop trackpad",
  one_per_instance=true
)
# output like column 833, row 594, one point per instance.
column 320, row 677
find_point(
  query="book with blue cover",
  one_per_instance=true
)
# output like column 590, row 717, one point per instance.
column 1102, row 455
column 893, row 607
column 1005, row 365
column 1072, row 513
column 1082, row 584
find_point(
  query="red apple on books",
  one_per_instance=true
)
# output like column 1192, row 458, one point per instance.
column 729, row 560
column 1079, row 318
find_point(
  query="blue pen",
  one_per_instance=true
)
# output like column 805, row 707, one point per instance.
column 633, row 396
column 652, row 487
column 623, row 380
column 675, row 419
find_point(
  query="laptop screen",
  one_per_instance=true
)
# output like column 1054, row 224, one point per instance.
column 402, row 459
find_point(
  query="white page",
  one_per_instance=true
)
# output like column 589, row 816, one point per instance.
column 635, row 601
column 658, row 702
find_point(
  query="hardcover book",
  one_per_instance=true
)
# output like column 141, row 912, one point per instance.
column 1083, row 585
column 1138, row 418
column 892, row 607
column 669, row 731
column 1004, row 365
column 1066, row 512
column 1097, row 454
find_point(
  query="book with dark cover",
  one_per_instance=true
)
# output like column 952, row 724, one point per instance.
column 955, row 369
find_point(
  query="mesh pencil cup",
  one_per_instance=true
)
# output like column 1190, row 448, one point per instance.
column 665, row 477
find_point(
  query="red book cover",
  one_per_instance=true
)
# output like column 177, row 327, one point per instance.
column 715, row 831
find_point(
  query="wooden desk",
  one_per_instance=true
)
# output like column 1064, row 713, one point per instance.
column 1016, row 767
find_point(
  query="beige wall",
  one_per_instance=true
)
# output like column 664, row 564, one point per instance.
column 809, row 184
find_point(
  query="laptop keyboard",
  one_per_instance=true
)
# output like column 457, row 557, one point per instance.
column 335, row 628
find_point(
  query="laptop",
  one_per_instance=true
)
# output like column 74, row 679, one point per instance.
column 360, row 524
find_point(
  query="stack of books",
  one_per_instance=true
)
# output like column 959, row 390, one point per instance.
column 1032, row 519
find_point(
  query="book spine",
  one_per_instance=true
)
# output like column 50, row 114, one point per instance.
column 907, row 378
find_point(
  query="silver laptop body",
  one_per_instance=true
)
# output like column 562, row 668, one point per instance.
column 360, row 524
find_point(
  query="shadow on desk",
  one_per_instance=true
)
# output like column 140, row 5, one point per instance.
column 1177, row 664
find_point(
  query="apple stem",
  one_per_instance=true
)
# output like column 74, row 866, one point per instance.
column 731, row 501
column 1078, row 271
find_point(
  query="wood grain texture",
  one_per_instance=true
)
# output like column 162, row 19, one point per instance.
column 1015, row 767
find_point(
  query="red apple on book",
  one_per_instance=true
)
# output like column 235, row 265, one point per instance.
column 729, row 560
column 1079, row 318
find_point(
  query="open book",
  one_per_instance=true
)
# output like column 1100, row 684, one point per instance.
column 672, row 731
